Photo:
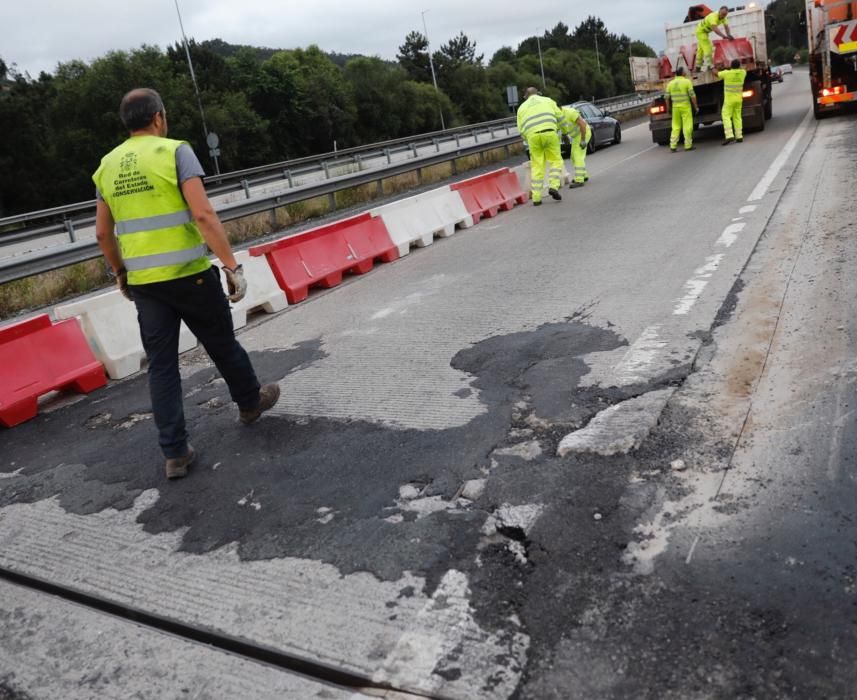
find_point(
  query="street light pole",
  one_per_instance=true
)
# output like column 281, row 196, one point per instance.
column 597, row 57
column 433, row 76
column 541, row 63
column 195, row 86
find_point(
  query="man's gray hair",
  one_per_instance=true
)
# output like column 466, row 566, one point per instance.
column 139, row 107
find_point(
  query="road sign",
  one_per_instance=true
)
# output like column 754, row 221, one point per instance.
column 843, row 38
column 512, row 95
column 214, row 152
column 213, row 140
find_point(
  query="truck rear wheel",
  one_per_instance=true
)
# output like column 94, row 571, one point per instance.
column 769, row 108
column 662, row 138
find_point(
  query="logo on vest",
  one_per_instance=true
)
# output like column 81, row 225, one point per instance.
column 130, row 179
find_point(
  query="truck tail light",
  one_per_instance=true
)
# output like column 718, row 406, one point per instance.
column 836, row 90
column 657, row 109
column 748, row 93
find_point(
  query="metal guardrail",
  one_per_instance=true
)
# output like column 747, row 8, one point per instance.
column 79, row 251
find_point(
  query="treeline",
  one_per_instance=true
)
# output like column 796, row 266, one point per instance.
column 268, row 105
column 786, row 30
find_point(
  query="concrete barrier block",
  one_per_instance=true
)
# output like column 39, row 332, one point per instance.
column 109, row 323
column 263, row 292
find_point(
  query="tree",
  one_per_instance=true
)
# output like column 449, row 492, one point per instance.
column 413, row 56
column 457, row 51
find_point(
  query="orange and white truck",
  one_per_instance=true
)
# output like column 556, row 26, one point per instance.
column 832, row 31
column 750, row 47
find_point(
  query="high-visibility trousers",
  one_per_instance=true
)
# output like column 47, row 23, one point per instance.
column 682, row 123
column 704, row 48
column 578, row 157
column 733, row 122
column 544, row 147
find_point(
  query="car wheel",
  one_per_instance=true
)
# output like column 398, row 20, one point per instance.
column 590, row 147
column 617, row 135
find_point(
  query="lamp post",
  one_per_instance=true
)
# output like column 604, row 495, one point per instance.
column 433, row 76
column 196, row 90
column 541, row 63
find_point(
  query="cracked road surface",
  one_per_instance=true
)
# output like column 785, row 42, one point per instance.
column 598, row 449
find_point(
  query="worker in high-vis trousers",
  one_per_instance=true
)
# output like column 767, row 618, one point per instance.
column 712, row 23
column 681, row 101
column 539, row 119
column 149, row 191
column 579, row 133
column 733, row 102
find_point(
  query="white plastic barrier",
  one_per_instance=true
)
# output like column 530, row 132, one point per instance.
column 263, row 292
column 523, row 173
column 418, row 219
column 109, row 322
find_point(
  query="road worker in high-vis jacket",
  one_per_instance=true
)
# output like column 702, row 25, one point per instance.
column 539, row 120
column 153, row 221
column 712, row 23
column 733, row 102
column 681, row 101
column 579, row 133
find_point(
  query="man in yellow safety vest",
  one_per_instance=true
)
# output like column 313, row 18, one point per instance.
column 578, row 131
column 681, row 98
column 149, row 191
column 704, row 47
column 539, row 119
column 733, row 101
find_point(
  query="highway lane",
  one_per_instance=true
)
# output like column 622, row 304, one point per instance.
column 403, row 514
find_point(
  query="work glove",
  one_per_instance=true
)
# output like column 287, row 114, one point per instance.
column 235, row 282
column 122, row 282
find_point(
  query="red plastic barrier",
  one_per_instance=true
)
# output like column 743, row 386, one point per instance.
column 320, row 256
column 37, row 357
column 689, row 53
column 485, row 195
column 726, row 51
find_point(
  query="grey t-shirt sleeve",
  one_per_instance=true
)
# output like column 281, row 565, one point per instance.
column 187, row 164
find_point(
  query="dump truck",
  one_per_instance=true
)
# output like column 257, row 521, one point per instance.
column 750, row 47
column 832, row 32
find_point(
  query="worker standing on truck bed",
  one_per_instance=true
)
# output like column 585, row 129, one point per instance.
column 681, row 99
column 579, row 133
column 733, row 100
column 711, row 23
column 539, row 118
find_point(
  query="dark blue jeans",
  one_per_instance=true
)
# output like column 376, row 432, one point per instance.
column 198, row 300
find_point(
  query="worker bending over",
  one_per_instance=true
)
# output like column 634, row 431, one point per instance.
column 733, row 100
column 579, row 133
column 711, row 23
column 539, row 119
column 681, row 101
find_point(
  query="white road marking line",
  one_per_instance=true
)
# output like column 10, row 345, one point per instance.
column 697, row 284
column 762, row 188
column 631, row 369
column 748, row 209
column 737, row 218
column 692, row 550
column 625, row 160
column 730, row 235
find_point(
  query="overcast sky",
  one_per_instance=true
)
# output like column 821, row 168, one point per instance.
column 41, row 33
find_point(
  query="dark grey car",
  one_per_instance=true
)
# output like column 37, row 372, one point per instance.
column 605, row 129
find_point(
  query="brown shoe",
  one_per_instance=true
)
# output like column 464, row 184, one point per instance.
column 177, row 466
column 269, row 394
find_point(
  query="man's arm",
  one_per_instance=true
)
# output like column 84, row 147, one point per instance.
column 104, row 226
column 207, row 220
column 584, row 127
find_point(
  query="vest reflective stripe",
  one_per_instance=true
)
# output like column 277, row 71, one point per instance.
column 176, row 257
column 153, row 223
column 538, row 120
column 680, row 97
column 734, row 88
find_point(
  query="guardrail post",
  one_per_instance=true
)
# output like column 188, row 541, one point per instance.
column 326, row 169
column 246, row 186
column 69, row 226
column 331, row 200
column 457, row 141
column 508, row 131
column 288, row 175
column 436, row 143
column 389, row 156
column 358, row 159
column 492, row 133
column 475, row 135
column 419, row 176
column 414, row 149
